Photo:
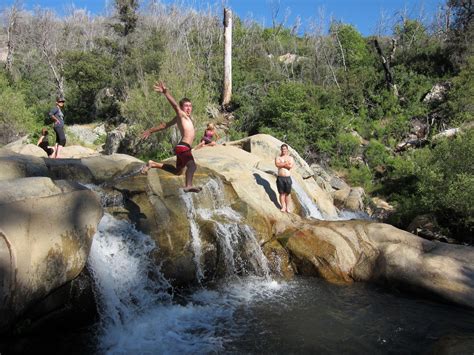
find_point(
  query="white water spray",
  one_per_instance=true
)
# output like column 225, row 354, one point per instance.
column 195, row 233
column 239, row 245
column 137, row 311
column 310, row 208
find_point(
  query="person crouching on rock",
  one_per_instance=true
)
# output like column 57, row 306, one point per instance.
column 284, row 162
column 43, row 142
column 57, row 116
column 184, row 156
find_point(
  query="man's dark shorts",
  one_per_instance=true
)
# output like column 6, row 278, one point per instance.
column 183, row 155
column 284, row 184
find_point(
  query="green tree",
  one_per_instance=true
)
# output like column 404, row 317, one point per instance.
column 460, row 104
column 16, row 117
column 86, row 74
column 461, row 31
column 441, row 183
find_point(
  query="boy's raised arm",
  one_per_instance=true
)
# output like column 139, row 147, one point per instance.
column 160, row 127
column 161, row 88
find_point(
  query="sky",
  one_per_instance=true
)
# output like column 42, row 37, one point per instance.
column 365, row 15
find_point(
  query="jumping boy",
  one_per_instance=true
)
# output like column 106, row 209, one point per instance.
column 184, row 157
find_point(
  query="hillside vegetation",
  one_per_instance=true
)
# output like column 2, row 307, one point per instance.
column 356, row 104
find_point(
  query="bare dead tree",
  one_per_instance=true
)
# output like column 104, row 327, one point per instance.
column 336, row 33
column 387, row 70
column 47, row 41
column 324, row 53
column 393, row 50
column 12, row 16
column 227, row 89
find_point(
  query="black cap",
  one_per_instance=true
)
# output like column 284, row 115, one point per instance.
column 60, row 99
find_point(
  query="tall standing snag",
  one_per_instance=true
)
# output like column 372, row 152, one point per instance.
column 227, row 91
column 12, row 25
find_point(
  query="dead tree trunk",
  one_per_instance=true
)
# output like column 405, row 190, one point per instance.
column 227, row 90
column 12, row 18
column 386, row 67
column 59, row 79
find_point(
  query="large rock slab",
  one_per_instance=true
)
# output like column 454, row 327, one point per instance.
column 46, row 231
column 28, row 149
column 349, row 251
column 15, row 165
column 76, row 152
column 94, row 169
column 267, row 148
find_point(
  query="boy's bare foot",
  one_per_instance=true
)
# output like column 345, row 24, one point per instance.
column 192, row 189
column 145, row 169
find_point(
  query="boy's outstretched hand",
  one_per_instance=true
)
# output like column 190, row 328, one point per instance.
column 146, row 134
column 160, row 87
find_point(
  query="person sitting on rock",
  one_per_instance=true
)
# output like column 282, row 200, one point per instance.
column 209, row 133
column 43, row 142
column 184, row 156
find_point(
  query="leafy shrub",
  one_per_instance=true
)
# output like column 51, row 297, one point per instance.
column 443, row 185
column 361, row 176
column 16, row 117
column 86, row 74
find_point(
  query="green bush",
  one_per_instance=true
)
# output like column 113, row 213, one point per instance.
column 461, row 104
column 442, row 184
column 86, row 74
column 16, row 117
column 361, row 176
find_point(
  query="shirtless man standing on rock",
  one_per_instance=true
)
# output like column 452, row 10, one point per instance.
column 184, row 156
column 284, row 162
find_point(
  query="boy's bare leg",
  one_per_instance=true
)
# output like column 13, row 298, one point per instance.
column 155, row 165
column 190, row 169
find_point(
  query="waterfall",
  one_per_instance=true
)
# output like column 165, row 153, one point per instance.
column 137, row 308
column 239, row 245
column 346, row 215
column 126, row 279
column 310, row 208
column 195, row 233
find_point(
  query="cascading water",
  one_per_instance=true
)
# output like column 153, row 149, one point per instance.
column 138, row 312
column 240, row 248
column 309, row 207
column 311, row 210
column 195, row 234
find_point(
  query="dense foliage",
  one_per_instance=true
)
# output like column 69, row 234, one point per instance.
column 341, row 99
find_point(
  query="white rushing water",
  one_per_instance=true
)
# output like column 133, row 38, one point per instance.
column 238, row 242
column 309, row 206
column 311, row 210
column 195, row 234
column 139, row 312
